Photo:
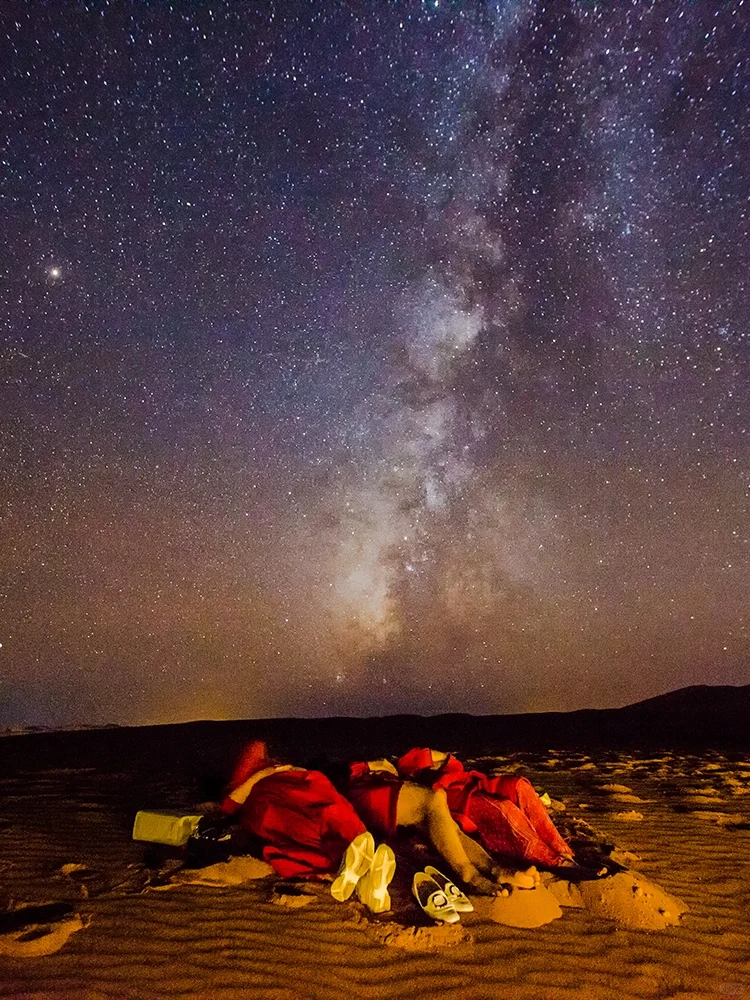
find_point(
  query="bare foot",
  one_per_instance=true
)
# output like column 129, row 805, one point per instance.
column 527, row 879
column 533, row 873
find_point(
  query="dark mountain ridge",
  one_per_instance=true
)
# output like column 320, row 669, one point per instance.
column 691, row 719
column 697, row 698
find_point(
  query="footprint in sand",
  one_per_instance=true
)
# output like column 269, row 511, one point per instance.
column 90, row 882
column 410, row 938
column 703, row 796
column 34, row 931
column 728, row 821
column 736, row 787
column 290, row 895
column 619, row 793
column 236, row 871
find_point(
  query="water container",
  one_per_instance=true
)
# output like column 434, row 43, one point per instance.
column 170, row 828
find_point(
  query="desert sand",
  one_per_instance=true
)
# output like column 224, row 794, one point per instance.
column 85, row 917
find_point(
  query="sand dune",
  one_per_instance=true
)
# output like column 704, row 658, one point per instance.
column 680, row 822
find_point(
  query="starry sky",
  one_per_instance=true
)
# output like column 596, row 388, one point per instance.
column 364, row 358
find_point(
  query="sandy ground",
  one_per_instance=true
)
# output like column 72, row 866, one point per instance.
column 674, row 925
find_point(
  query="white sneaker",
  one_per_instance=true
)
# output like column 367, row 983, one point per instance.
column 354, row 864
column 372, row 888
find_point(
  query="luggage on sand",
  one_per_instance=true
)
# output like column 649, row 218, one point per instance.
column 169, row 828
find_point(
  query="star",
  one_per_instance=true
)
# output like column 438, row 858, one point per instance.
column 409, row 345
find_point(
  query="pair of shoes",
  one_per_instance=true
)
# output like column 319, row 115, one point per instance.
column 368, row 870
column 439, row 897
column 372, row 888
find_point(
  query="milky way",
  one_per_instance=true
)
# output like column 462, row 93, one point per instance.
column 377, row 358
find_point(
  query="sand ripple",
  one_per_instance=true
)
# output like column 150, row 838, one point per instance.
column 64, row 836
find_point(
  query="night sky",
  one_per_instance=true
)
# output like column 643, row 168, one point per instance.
column 363, row 358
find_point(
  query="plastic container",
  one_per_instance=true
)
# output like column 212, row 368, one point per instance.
column 164, row 827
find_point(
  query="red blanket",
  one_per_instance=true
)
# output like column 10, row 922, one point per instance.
column 305, row 823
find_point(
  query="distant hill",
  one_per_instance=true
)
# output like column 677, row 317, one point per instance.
column 697, row 700
column 25, row 730
column 690, row 719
